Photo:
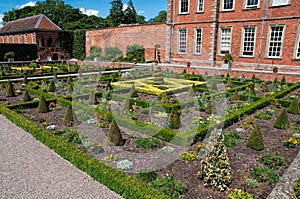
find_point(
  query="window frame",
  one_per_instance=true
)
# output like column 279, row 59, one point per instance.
column 226, row 10
column 180, row 8
column 25, row 38
column 197, row 6
column 269, row 37
column 32, row 38
column 220, row 39
column 179, row 41
column 196, row 40
column 297, row 44
column 243, row 41
column 251, row 6
column 276, row 5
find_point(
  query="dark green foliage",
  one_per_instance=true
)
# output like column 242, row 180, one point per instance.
column 263, row 116
column 272, row 161
column 130, row 13
column 255, row 141
column 253, row 77
column 145, row 176
column 297, row 188
column 69, row 80
column 294, row 106
column 70, row 135
column 174, row 119
column 230, row 138
column 93, row 98
column 160, row 18
column 114, row 134
column 52, row 87
column 282, row 121
column 116, row 14
column 135, row 51
column 71, row 89
column 264, row 174
column 109, row 86
column 147, row 143
column 167, row 185
column 68, row 118
column 79, row 44
column 10, row 89
column 21, row 51
column 43, row 106
column 214, row 85
column 112, row 53
column 283, row 80
column 26, row 96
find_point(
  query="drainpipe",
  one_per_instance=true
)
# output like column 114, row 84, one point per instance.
column 262, row 34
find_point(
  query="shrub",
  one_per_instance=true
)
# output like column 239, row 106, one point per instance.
column 110, row 158
column 252, row 183
column 33, row 64
column 216, row 168
column 174, row 119
column 26, row 96
column 255, row 140
column 169, row 186
column 112, row 53
column 230, row 138
column 51, row 86
column 70, row 135
column 10, row 89
column 294, row 106
column 133, row 92
column 240, row 194
column 25, row 80
column 68, row 117
column 114, row 134
column 235, row 97
column 43, row 107
column 124, row 165
column 272, row 161
column 189, row 156
column 147, row 143
column 69, row 80
column 264, row 174
column 297, row 188
column 9, row 54
column 282, row 121
column 262, row 116
column 146, row 176
column 158, row 77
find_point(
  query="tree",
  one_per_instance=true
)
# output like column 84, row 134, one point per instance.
column 294, row 106
column 116, row 14
column 140, row 19
column 26, row 96
column 255, row 141
column 10, row 89
column 160, row 18
column 68, row 117
column 114, row 134
column 130, row 13
column 174, row 119
column 43, row 107
column 52, row 87
column 282, row 121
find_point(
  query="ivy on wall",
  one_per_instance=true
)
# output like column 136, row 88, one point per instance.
column 79, row 44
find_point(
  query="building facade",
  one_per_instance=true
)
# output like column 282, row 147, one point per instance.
column 38, row 30
column 258, row 33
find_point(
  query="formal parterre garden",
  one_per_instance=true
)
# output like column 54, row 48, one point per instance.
column 148, row 133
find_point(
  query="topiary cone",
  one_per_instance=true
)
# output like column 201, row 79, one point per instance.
column 51, row 86
column 255, row 141
column 114, row 134
column 68, row 118
column 174, row 119
column 294, row 106
column 43, row 107
column 10, row 89
column 282, row 121
column 26, row 97
column 92, row 98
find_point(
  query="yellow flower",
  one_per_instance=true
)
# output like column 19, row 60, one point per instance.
column 199, row 145
column 290, row 140
column 295, row 142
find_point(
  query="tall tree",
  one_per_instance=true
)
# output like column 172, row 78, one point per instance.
column 130, row 13
column 160, row 18
column 116, row 14
column 141, row 19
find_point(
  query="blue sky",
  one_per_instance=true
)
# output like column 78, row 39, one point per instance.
column 100, row 8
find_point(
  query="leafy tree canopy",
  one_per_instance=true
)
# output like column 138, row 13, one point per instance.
column 160, row 18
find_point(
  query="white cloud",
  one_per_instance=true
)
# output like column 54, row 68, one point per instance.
column 1, row 21
column 140, row 12
column 125, row 6
column 89, row 12
column 31, row 3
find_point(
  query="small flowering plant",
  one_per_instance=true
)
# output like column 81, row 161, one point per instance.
column 124, row 165
column 201, row 148
column 96, row 148
column 291, row 142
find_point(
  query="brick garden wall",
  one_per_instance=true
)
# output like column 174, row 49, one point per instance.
column 146, row 35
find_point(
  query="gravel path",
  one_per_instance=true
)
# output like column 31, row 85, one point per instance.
column 28, row 169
